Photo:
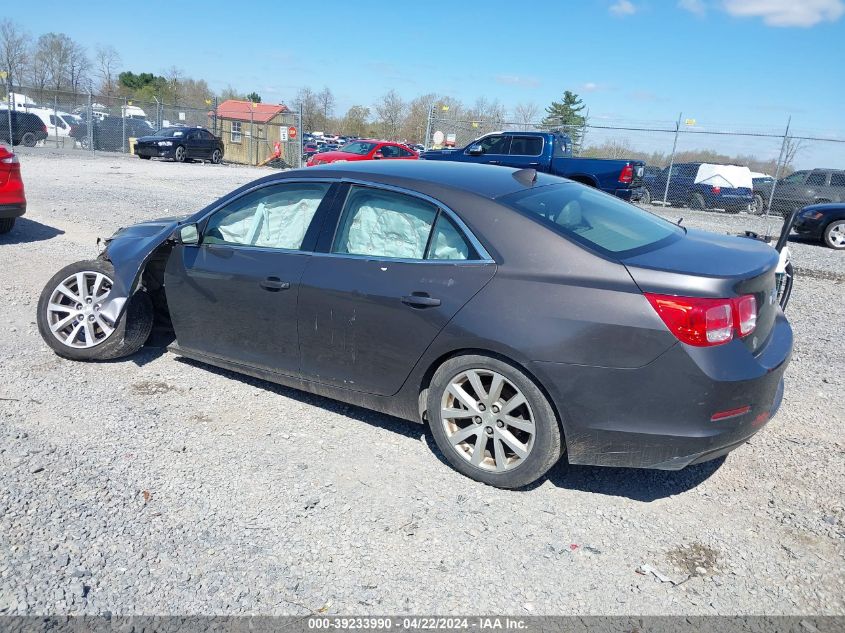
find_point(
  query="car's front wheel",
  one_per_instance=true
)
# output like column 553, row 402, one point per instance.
column 492, row 422
column 697, row 202
column 834, row 235
column 142, row 157
column 70, row 321
column 216, row 156
column 758, row 206
column 181, row 154
column 6, row 224
column 28, row 139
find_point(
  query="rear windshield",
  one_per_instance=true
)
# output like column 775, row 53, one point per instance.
column 595, row 219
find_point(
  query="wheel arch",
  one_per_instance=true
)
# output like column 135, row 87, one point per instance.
column 584, row 179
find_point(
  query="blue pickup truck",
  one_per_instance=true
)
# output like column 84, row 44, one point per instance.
column 549, row 152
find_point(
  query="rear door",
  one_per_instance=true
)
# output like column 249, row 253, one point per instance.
column 524, row 151
column 234, row 295
column 395, row 270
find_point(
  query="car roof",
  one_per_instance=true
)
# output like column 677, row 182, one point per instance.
column 428, row 176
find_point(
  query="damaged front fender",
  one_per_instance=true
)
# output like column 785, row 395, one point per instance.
column 129, row 250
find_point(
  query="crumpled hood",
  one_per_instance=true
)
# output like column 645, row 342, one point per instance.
column 148, row 228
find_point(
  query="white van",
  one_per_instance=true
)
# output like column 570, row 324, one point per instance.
column 58, row 123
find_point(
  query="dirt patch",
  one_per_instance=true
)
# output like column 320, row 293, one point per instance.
column 151, row 388
column 695, row 559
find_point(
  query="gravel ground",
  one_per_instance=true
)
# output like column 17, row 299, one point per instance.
column 154, row 485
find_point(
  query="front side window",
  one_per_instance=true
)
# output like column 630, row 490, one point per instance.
column 389, row 151
column 594, row 219
column 796, row 178
column 526, row 146
column 277, row 216
column 817, row 178
column 236, row 131
column 494, row 144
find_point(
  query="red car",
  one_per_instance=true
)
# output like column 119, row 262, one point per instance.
column 12, row 199
column 365, row 149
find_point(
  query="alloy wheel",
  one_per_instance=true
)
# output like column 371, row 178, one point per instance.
column 836, row 235
column 488, row 420
column 180, row 153
column 73, row 312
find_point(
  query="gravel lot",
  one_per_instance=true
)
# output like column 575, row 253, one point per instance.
column 155, row 485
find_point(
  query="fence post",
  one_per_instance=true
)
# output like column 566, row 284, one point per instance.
column 56, row 118
column 9, row 111
column 90, row 124
column 214, row 117
column 781, row 158
column 123, row 123
column 672, row 158
column 583, row 133
column 299, row 128
column 428, row 126
column 251, row 133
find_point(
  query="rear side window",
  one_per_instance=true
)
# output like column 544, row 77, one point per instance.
column 594, row 219
column 837, row 179
column 526, row 146
column 817, row 178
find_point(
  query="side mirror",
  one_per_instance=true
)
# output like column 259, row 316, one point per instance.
column 378, row 155
column 188, row 234
column 475, row 150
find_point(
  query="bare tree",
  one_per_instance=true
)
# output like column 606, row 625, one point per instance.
column 174, row 76
column 325, row 99
column 79, row 67
column 108, row 63
column 391, row 112
column 14, row 50
column 791, row 149
column 307, row 100
column 53, row 51
column 527, row 113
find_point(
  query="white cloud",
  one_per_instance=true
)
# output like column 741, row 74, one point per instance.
column 518, row 80
column 803, row 13
column 623, row 7
column 590, row 87
column 693, row 6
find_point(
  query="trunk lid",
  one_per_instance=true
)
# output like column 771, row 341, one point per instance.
column 704, row 264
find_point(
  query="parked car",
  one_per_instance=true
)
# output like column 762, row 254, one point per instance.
column 824, row 222
column 309, row 149
column 56, row 122
column 805, row 187
column 519, row 314
column 12, row 197
column 112, row 133
column 549, row 152
column 702, row 186
column 27, row 128
column 182, row 144
column 368, row 149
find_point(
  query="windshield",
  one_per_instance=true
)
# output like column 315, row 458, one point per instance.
column 594, row 219
column 170, row 132
column 358, row 147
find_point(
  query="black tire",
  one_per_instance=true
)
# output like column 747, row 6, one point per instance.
column 832, row 233
column 130, row 333
column 216, row 157
column 646, row 197
column 758, row 206
column 142, row 157
column 28, row 139
column 180, row 154
column 6, row 224
column 697, row 202
column 547, row 447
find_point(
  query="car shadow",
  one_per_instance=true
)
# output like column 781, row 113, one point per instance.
column 26, row 230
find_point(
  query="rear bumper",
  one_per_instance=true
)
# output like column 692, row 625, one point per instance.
column 12, row 210
column 659, row 415
column 625, row 194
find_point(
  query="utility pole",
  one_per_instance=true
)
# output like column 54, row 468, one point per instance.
column 9, row 110
column 781, row 158
column 428, row 127
column 672, row 158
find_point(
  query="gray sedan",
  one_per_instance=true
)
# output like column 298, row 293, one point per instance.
column 520, row 315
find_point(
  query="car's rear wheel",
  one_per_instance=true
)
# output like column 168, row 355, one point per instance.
column 216, row 156
column 697, row 202
column 492, row 422
column 834, row 235
column 181, row 154
column 6, row 224
column 645, row 198
column 142, row 157
column 28, row 139
column 758, row 206
column 70, row 321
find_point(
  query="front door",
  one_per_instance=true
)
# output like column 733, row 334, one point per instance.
column 234, row 295
column 399, row 269
column 493, row 150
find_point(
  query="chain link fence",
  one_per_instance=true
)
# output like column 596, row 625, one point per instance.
column 251, row 133
column 789, row 167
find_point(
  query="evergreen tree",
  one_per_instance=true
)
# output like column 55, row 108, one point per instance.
column 566, row 115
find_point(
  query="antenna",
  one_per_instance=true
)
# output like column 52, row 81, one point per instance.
column 526, row 177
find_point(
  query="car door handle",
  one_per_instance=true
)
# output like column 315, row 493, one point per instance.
column 274, row 284
column 420, row 300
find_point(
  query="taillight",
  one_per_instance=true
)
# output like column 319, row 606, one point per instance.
column 9, row 160
column 704, row 322
column 627, row 174
column 716, row 190
column 44, row 128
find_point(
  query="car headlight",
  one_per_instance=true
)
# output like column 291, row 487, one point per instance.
column 809, row 214
column 165, row 143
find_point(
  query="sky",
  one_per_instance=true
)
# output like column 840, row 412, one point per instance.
column 738, row 64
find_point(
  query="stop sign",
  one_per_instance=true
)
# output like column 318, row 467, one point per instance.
column 291, row 132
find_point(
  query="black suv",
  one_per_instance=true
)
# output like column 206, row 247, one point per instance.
column 27, row 128
column 810, row 186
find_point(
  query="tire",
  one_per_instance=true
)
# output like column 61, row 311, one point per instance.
column 697, row 202
column 143, row 157
column 126, row 338
column 180, row 154
column 216, row 157
column 84, row 143
column 6, row 224
column 758, row 206
column 542, row 447
column 834, row 235
column 646, row 197
column 28, row 139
